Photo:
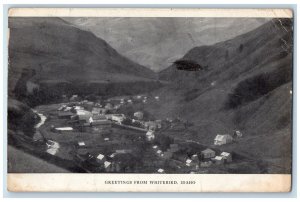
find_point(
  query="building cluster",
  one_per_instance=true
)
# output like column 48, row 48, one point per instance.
column 100, row 162
column 87, row 114
column 134, row 99
column 226, row 138
column 193, row 163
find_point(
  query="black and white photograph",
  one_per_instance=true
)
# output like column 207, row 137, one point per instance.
column 150, row 95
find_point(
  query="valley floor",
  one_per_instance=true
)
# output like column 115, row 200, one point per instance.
column 141, row 158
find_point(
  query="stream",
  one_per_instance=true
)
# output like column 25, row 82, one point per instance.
column 53, row 146
column 42, row 121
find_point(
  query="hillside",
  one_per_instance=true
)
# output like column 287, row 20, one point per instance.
column 246, row 86
column 50, row 51
column 156, row 42
column 49, row 57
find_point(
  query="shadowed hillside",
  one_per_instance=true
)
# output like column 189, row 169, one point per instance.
column 49, row 57
column 51, row 53
column 247, row 86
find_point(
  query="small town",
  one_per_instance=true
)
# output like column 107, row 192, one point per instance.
column 111, row 136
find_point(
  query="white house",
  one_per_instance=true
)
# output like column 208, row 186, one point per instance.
column 150, row 135
column 117, row 117
column 223, row 139
column 188, row 162
column 226, row 156
column 218, row 160
column 81, row 143
column 139, row 115
column 112, row 155
column 237, row 134
column 100, row 157
column 64, row 129
column 160, row 170
column 91, row 120
column 107, row 164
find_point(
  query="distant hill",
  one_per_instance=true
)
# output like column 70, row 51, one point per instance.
column 155, row 42
column 49, row 57
column 50, row 51
column 247, row 86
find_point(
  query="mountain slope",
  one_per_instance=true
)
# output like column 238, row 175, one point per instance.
column 50, row 50
column 247, row 86
column 155, row 42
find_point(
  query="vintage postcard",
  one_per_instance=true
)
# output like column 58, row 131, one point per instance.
column 150, row 100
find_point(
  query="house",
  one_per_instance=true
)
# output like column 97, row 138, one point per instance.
column 99, row 119
column 150, row 135
column 64, row 129
column 152, row 125
column 160, row 170
column 78, row 108
column 64, row 115
column 62, row 107
column 159, row 152
column 188, row 162
column 227, row 157
column 237, row 134
column 91, row 120
column 107, row 166
column 81, row 144
column 208, row 153
column 139, row 115
column 155, row 147
column 84, row 116
column 112, row 155
column 74, row 98
column 223, row 139
column 101, row 157
column 218, row 159
column 67, row 109
column 118, row 117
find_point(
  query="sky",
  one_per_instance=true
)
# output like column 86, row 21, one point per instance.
column 157, row 42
